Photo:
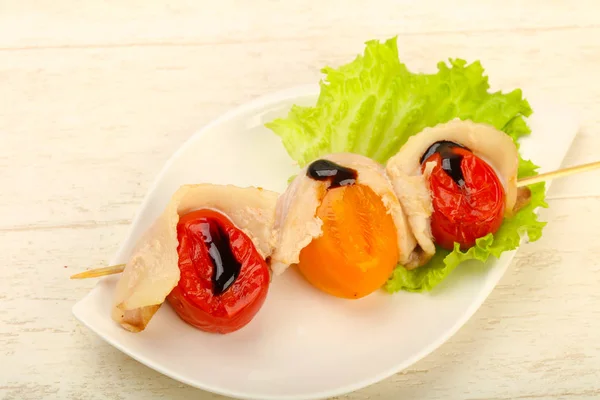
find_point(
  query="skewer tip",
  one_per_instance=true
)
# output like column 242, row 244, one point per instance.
column 95, row 273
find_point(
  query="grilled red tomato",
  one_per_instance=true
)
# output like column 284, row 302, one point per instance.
column 468, row 198
column 224, row 280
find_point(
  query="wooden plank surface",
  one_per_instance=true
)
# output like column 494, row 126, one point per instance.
column 96, row 96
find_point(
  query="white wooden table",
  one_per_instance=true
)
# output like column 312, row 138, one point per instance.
column 95, row 97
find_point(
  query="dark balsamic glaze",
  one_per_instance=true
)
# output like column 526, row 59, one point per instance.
column 451, row 160
column 226, row 268
column 325, row 170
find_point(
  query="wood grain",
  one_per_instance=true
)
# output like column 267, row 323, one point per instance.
column 96, row 96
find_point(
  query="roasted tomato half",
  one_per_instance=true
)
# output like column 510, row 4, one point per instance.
column 358, row 249
column 224, row 280
column 468, row 198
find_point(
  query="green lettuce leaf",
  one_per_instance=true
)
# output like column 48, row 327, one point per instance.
column 508, row 237
column 372, row 105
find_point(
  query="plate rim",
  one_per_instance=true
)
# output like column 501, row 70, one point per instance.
column 263, row 101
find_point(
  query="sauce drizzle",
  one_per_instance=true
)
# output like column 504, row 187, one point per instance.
column 450, row 159
column 226, row 268
column 337, row 175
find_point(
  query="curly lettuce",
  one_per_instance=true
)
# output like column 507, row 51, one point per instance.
column 372, row 105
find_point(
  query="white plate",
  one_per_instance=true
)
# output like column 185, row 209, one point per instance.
column 303, row 344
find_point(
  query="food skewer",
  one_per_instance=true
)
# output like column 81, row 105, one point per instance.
column 95, row 273
column 117, row 269
column 530, row 180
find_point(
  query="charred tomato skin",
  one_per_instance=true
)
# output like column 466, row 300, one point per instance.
column 194, row 297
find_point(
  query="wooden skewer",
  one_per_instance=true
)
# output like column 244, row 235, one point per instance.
column 95, row 273
column 530, row 180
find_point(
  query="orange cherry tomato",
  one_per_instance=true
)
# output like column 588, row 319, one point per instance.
column 358, row 249
column 224, row 280
column 468, row 198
